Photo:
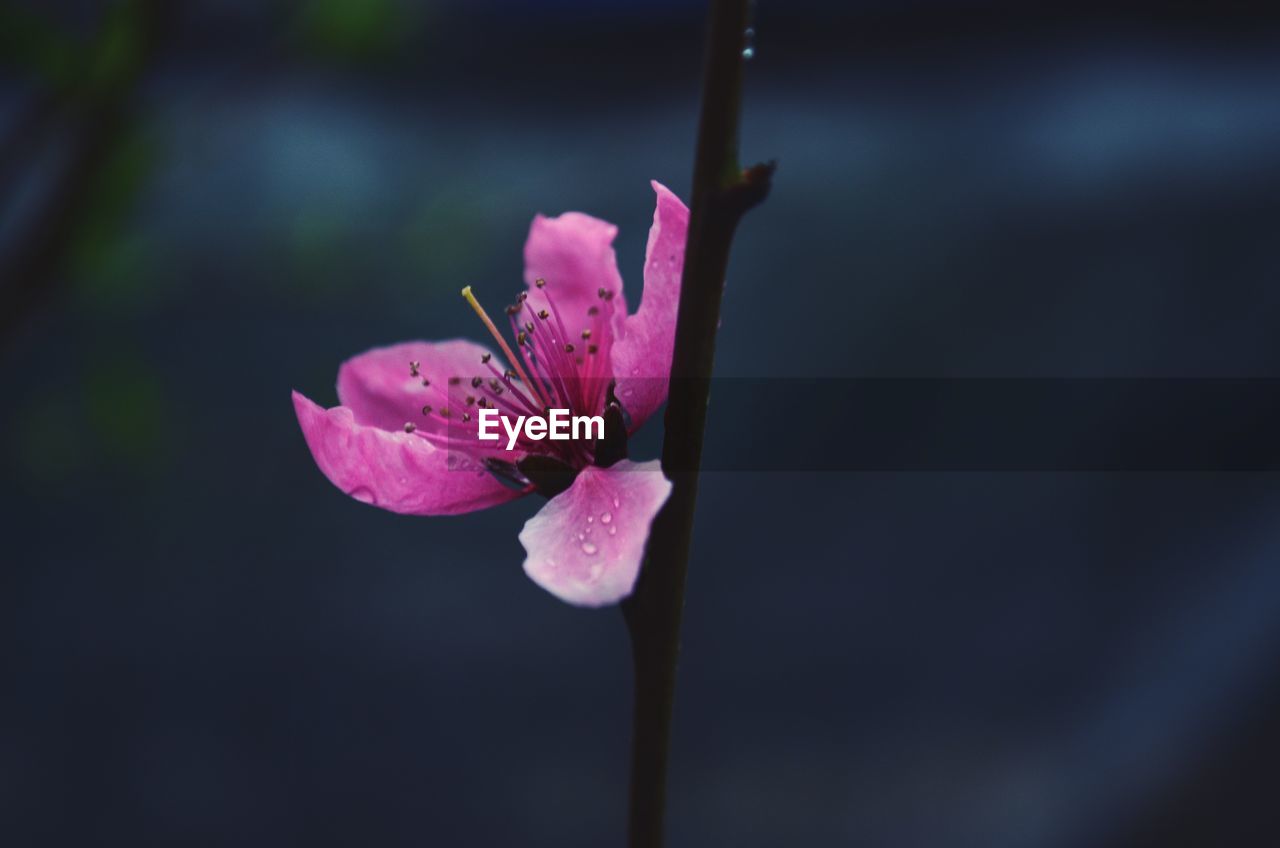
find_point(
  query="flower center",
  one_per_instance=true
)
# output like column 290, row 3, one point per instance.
column 548, row 369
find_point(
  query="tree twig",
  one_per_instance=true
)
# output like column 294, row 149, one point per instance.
column 722, row 193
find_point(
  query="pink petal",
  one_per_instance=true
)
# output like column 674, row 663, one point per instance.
column 574, row 254
column 397, row 471
column 642, row 354
column 585, row 546
column 380, row 391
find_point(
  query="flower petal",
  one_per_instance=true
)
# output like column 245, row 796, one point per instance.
column 585, row 546
column 380, row 391
column 397, row 471
column 574, row 254
column 642, row 353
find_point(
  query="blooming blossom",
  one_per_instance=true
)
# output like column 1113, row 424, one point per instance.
column 405, row 435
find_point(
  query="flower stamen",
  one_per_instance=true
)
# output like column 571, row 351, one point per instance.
column 502, row 343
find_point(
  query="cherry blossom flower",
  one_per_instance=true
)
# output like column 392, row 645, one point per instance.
column 405, row 435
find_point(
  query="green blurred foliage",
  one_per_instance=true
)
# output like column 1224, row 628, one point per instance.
column 356, row 30
column 109, row 264
column 126, row 411
column 33, row 45
column 115, row 57
column 445, row 234
column 112, row 416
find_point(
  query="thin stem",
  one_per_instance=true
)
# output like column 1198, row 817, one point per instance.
column 722, row 193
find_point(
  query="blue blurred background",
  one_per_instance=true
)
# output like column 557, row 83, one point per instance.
column 208, row 203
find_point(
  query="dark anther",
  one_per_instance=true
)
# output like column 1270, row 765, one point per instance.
column 453, row 381
column 521, row 338
column 568, row 348
column 444, row 412
column 471, row 400
column 603, row 294
column 544, row 314
column 592, row 348
column 476, row 381
column 409, row 426
column 425, row 381
column 485, row 357
column 426, row 410
column 466, row 416
column 595, row 310
column 413, row 368
column 586, row 334
column 509, row 374
column 539, row 282
column 528, row 325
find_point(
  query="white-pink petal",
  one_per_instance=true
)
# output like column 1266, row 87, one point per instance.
column 585, row 546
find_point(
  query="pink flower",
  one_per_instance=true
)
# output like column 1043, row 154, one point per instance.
column 405, row 435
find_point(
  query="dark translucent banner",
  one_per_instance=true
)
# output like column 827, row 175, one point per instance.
column 994, row 425
column 823, row 424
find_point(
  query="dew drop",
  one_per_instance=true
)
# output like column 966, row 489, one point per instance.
column 616, row 503
column 613, row 531
column 590, row 518
column 749, row 44
column 589, row 548
column 363, row 494
column 606, row 518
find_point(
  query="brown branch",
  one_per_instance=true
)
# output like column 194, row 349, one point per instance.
column 722, row 193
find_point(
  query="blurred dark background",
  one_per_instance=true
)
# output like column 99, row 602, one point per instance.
column 208, row 203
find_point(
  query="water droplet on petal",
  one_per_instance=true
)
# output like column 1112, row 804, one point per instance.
column 613, row 531
column 363, row 494
column 590, row 518
column 589, row 548
column 606, row 518
column 616, row 503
